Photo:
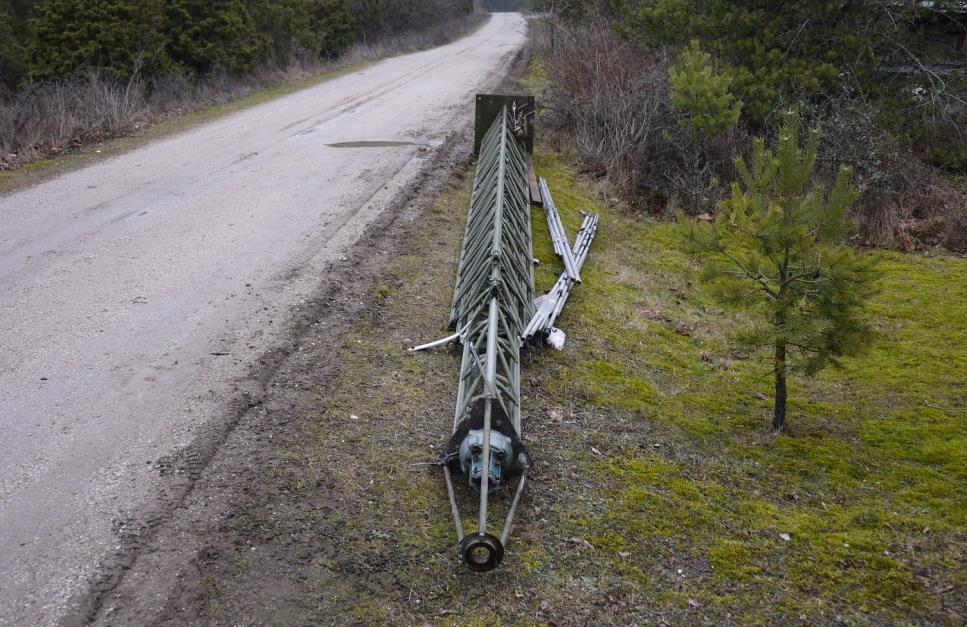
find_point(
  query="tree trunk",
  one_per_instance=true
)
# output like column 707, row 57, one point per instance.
column 779, row 415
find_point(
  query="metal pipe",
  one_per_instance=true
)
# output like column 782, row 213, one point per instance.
column 492, row 342
column 509, row 522
column 454, row 510
column 450, row 338
column 485, row 475
column 491, row 379
column 558, row 235
column 462, row 386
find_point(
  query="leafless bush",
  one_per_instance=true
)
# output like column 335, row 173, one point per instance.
column 903, row 201
column 608, row 97
column 931, row 212
column 45, row 119
column 610, row 102
column 614, row 101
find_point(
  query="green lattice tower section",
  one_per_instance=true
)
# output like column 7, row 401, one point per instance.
column 496, row 262
column 493, row 302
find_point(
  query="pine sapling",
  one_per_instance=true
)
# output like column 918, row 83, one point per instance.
column 777, row 248
column 703, row 94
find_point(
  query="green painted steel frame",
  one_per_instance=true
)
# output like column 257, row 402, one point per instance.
column 496, row 263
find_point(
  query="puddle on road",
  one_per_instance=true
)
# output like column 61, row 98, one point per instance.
column 371, row 144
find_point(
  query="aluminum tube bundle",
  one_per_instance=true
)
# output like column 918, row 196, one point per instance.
column 561, row 246
column 549, row 306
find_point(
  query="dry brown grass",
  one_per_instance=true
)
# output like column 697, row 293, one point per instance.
column 608, row 101
column 46, row 119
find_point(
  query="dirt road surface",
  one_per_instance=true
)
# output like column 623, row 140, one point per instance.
column 137, row 293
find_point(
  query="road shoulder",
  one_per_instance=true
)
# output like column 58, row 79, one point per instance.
column 205, row 481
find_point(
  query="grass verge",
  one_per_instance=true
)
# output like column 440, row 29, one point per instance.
column 659, row 493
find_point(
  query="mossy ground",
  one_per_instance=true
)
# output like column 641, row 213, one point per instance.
column 868, row 485
column 659, row 493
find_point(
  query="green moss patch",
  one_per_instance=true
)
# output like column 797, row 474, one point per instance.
column 855, row 515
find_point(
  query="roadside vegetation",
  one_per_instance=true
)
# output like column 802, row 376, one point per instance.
column 658, row 97
column 659, row 493
column 76, row 72
column 662, row 104
column 777, row 249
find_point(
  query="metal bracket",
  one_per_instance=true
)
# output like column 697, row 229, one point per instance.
column 490, row 106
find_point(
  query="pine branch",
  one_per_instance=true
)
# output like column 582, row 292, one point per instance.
column 760, row 279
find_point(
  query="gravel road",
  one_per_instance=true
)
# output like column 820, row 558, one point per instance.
column 135, row 294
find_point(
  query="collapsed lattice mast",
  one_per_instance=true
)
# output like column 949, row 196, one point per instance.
column 492, row 303
column 495, row 311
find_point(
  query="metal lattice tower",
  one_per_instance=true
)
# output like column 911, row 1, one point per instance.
column 496, row 268
column 495, row 312
column 492, row 304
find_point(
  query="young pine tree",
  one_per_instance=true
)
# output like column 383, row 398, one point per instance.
column 777, row 248
column 703, row 94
